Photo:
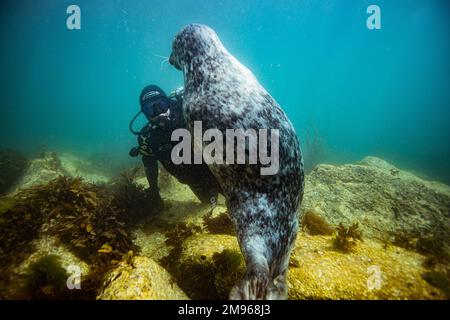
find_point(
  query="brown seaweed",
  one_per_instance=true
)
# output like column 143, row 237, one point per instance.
column 132, row 198
column 83, row 216
column 346, row 237
column 315, row 224
column 175, row 239
column 432, row 244
column 222, row 224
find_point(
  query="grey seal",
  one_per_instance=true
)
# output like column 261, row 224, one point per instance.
column 222, row 93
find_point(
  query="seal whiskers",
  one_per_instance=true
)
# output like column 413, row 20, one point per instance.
column 164, row 60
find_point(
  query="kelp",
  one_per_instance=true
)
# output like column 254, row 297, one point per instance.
column 86, row 217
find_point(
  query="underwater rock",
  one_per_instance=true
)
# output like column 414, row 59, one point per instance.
column 49, row 245
column 80, row 215
column 152, row 244
column 370, row 271
column 50, row 166
column 170, row 188
column 42, row 170
column 209, row 266
column 165, row 179
column 38, row 274
column 77, row 167
column 140, row 279
column 382, row 198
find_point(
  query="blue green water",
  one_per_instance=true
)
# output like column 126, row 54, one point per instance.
column 363, row 92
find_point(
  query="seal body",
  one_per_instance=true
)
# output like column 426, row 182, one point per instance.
column 224, row 94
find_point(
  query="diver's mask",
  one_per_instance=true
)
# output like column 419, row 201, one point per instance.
column 154, row 105
column 156, row 110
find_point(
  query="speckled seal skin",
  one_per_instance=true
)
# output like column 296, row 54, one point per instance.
column 224, row 94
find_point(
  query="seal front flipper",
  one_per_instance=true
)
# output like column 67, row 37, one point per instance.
column 265, row 242
column 258, row 284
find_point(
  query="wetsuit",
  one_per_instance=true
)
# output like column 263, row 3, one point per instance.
column 155, row 146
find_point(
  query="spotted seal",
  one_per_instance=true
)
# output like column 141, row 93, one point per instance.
column 224, row 94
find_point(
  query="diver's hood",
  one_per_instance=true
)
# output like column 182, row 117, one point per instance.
column 153, row 101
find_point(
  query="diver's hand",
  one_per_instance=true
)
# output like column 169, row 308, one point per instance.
column 134, row 152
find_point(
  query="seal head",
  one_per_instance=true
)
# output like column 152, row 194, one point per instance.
column 194, row 41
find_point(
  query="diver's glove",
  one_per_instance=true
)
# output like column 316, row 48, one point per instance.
column 134, row 152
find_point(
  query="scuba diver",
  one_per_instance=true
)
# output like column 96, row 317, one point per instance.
column 164, row 114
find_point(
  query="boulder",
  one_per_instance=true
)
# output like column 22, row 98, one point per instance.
column 44, row 273
column 382, row 198
column 41, row 170
column 78, row 167
column 142, row 279
column 50, row 166
column 370, row 271
column 49, row 245
column 210, row 265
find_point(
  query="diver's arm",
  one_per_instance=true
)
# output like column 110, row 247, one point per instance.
column 151, row 171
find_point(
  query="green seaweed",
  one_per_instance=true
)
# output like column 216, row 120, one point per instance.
column 46, row 279
column 6, row 203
